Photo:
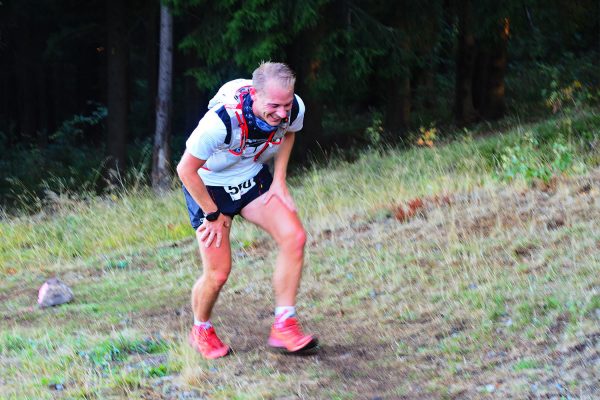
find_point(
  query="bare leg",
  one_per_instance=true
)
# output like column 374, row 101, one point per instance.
column 216, row 264
column 287, row 231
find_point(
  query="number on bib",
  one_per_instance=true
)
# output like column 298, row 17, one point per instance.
column 236, row 192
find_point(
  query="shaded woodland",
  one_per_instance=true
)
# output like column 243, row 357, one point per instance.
column 82, row 106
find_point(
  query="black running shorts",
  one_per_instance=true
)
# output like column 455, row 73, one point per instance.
column 230, row 199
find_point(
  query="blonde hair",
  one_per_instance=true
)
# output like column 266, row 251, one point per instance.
column 278, row 72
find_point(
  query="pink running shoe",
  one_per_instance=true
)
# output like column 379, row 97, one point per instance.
column 206, row 342
column 287, row 336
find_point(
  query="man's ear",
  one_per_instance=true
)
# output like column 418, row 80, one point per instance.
column 253, row 93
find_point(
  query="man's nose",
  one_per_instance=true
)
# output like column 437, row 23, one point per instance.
column 281, row 112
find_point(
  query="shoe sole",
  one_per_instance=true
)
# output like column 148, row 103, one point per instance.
column 311, row 348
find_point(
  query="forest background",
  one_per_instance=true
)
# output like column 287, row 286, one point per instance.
column 79, row 81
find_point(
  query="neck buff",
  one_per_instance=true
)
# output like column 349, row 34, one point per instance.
column 255, row 124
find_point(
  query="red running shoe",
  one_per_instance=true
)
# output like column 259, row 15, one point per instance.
column 206, row 342
column 287, row 336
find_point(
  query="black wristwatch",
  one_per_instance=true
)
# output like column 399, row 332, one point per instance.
column 212, row 216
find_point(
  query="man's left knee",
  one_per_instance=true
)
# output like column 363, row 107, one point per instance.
column 294, row 240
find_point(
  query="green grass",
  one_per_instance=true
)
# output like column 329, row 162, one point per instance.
column 74, row 230
column 401, row 307
column 525, row 364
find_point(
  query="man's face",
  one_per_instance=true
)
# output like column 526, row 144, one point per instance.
column 273, row 103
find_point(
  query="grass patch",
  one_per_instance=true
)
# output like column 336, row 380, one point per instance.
column 486, row 270
column 525, row 364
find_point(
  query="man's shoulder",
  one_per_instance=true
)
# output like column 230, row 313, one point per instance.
column 229, row 92
column 211, row 124
column 297, row 108
column 215, row 118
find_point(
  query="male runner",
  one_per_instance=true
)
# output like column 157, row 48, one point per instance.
column 224, row 174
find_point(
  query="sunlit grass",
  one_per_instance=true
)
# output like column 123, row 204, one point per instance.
column 79, row 230
column 326, row 197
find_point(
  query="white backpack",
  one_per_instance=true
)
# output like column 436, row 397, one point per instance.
column 229, row 93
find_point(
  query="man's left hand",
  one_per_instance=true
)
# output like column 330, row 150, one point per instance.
column 280, row 190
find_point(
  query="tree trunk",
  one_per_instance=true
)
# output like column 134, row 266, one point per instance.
column 304, row 59
column 399, row 102
column 430, row 101
column 479, row 80
column 397, row 114
column 151, row 25
column 194, row 101
column 495, row 105
column 307, row 71
column 464, row 112
column 424, row 40
column 117, row 88
column 161, row 176
column 42, row 132
column 488, row 76
column 26, row 94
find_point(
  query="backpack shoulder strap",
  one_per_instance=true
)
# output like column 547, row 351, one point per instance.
column 295, row 110
column 226, row 118
column 229, row 97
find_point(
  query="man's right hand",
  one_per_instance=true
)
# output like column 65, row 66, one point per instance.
column 214, row 231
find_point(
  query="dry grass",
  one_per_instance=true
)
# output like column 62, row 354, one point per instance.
column 484, row 288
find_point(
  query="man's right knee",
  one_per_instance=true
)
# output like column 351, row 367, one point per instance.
column 216, row 264
column 216, row 279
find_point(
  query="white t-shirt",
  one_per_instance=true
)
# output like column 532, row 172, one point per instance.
column 208, row 140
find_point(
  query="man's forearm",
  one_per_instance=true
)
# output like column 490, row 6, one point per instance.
column 199, row 193
column 283, row 156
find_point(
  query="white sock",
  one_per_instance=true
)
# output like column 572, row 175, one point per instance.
column 202, row 324
column 284, row 312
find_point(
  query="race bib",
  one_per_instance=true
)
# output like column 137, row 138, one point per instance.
column 236, row 192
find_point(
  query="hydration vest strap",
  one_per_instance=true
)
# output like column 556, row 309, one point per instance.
column 244, row 128
column 266, row 145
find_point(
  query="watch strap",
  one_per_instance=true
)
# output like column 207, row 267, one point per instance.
column 212, row 216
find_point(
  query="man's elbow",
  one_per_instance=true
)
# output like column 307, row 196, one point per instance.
column 183, row 170
column 188, row 167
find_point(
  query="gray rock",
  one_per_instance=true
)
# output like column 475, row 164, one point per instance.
column 190, row 395
column 54, row 292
